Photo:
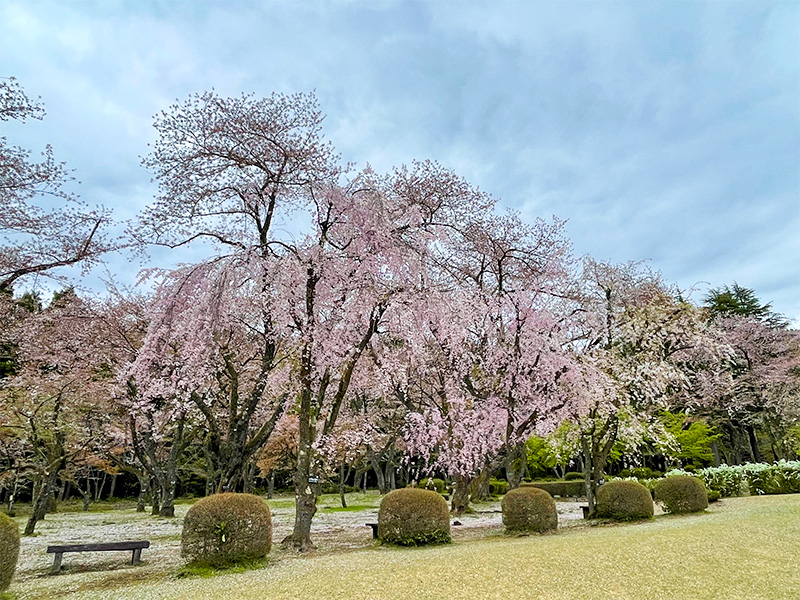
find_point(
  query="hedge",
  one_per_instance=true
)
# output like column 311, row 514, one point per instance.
column 559, row 488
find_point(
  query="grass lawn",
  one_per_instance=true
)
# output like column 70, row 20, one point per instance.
column 743, row 548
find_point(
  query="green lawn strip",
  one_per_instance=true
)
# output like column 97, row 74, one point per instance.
column 743, row 548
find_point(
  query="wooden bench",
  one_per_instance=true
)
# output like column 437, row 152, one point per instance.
column 59, row 551
column 374, row 530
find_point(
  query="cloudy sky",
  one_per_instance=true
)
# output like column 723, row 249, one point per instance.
column 665, row 131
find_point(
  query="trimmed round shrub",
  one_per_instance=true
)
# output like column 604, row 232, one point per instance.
column 529, row 509
column 414, row 517
column 573, row 476
column 9, row 550
column 624, row 501
column 225, row 529
column 682, row 494
column 713, row 496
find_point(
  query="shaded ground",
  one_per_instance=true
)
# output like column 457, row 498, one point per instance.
column 335, row 531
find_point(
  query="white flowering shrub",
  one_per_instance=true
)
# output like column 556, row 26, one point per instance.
column 782, row 477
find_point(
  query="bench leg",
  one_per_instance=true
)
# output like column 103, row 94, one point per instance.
column 57, row 562
column 137, row 556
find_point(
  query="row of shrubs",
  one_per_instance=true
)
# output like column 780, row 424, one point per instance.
column 626, row 500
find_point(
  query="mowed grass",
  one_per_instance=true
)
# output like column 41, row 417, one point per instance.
column 743, row 548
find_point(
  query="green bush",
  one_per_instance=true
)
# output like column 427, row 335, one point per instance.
column 529, row 509
column 559, row 488
column 573, row 476
column 433, row 483
column 414, row 517
column 333, row 488
column 498, row 487
column 9, row 550
column 682, row 494
column 624, row 501
column 228, row 528
column 640, row 473
column 713, row 496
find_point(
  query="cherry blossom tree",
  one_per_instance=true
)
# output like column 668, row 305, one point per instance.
column 59, row 396
column 207, row 350
column 495, row 368
column 765, row 395
column 642, row 349
column 42, row 227
column 229, row 170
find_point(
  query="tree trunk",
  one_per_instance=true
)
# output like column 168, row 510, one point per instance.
column 46, row 490
column 376, row 466
column 169, row 486
column 305, row 482
column 751, row 434
column 305, row 494
column 113, row 485
column 156, row 493
column 514, row 466
column 86, row 495
column 11, row 499
column 342, row 479
column 271, row 485
column 460, row 500
column 715, row 452
column 479, row 488
column 100, row 485
column 143, row 489
column 594, row 476
column 389, row 472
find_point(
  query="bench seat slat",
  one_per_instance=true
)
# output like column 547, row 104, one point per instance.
column 109, row 546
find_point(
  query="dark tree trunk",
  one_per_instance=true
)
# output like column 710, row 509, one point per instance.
column 376, row 466
column 715, row 452
column 271, row 485
column 156, row 492
column 342, row 479
column 46, row 490
column 751, row 434
column 113, row 485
